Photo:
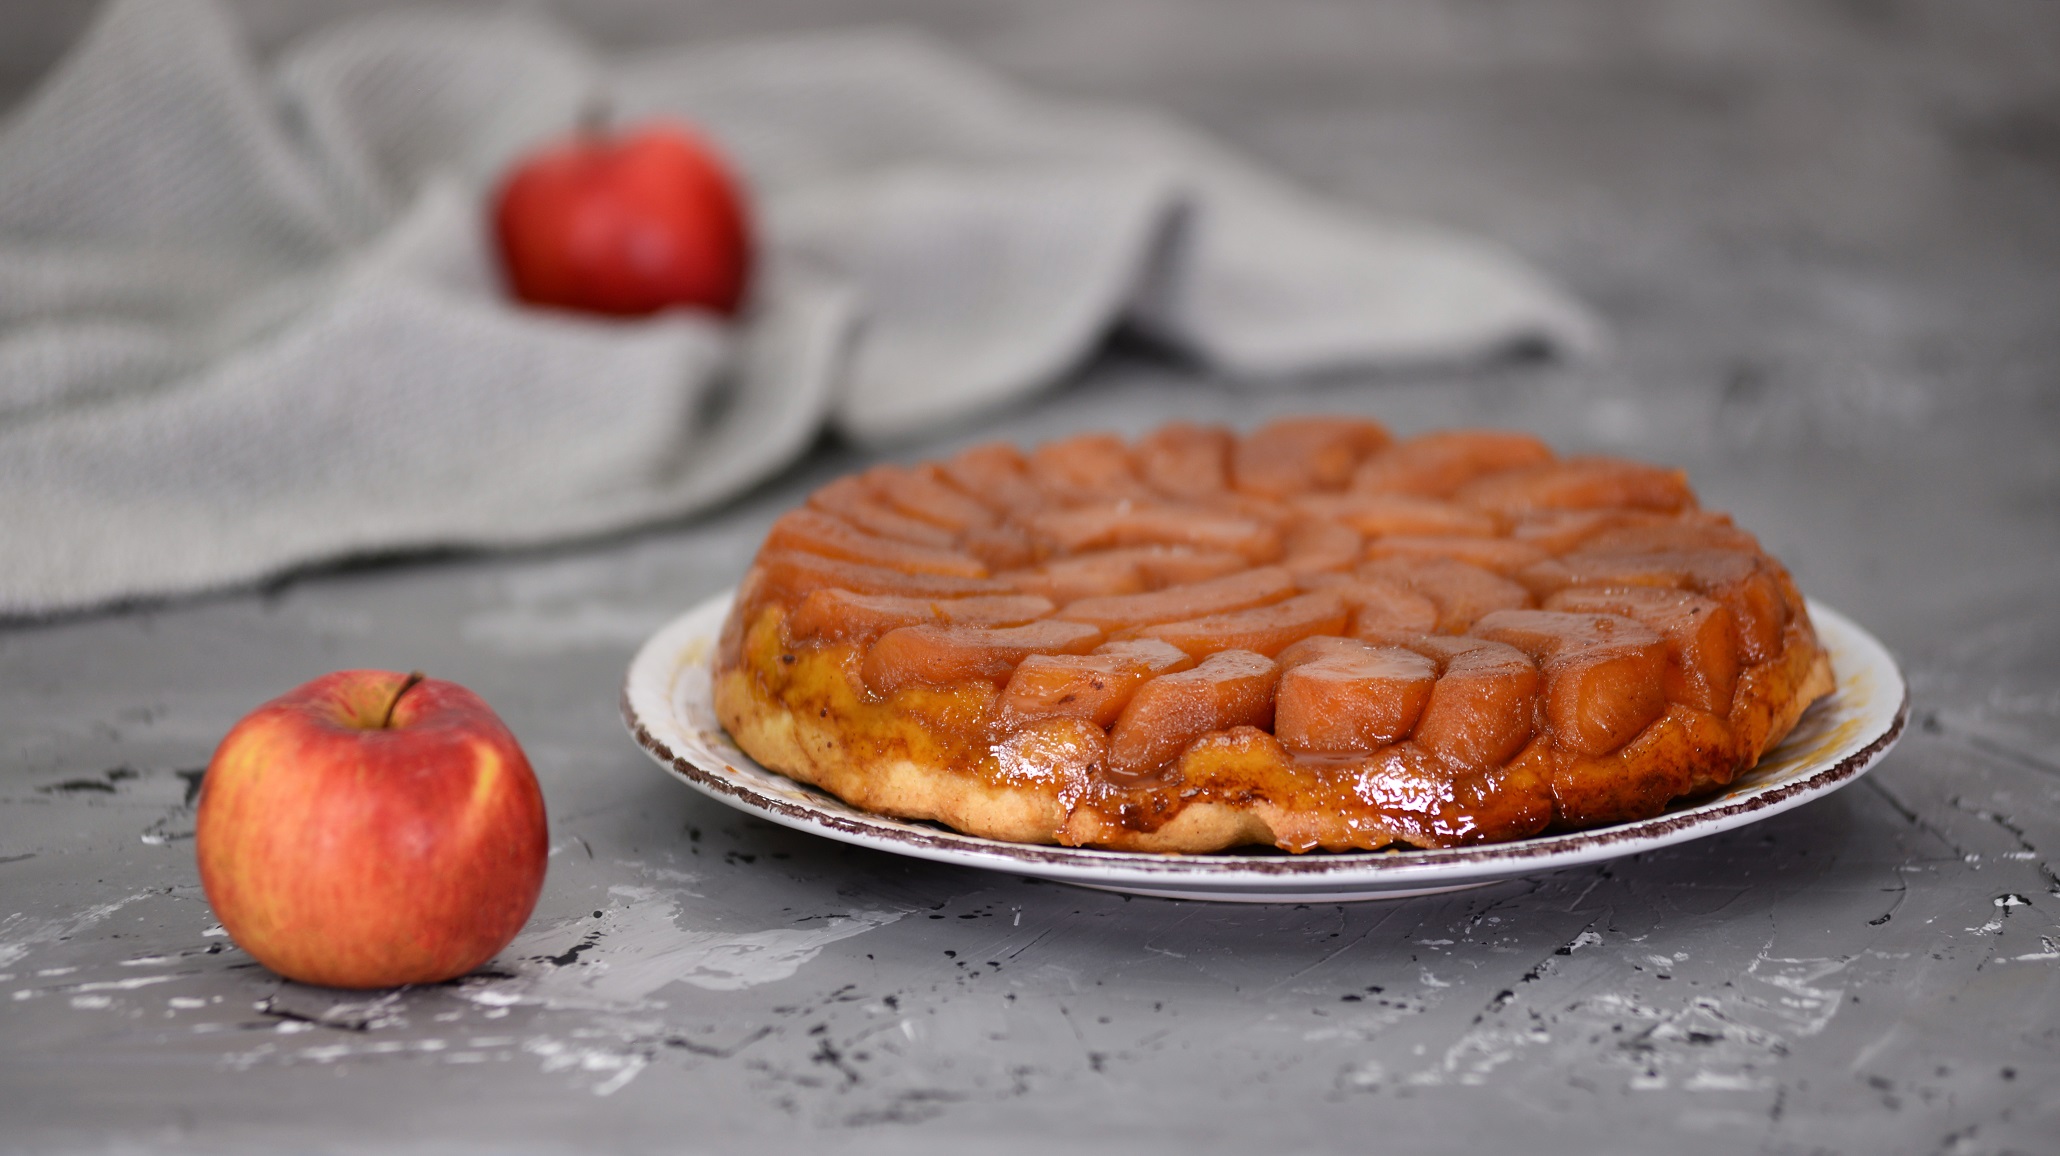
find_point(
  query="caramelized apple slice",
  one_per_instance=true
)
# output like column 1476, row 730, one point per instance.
column 1562, row 531
column 996, row 474
column 1435, row 464
column 1066, row 580
column 1297, row 454
column 1347, row 697
column 1558, row 531
column 1502, row 555
column 1131, row 523
column 940, row 655
column 1481, row 710
column 851, row 499
column 1161, row 657
column 1003, row 547
column 1702, row 647
column 1233, row 688
column 840, row 615
column 1604, row 674
column 921, row 492
column 1580, row 484
column 1130, row 570
column 834, row 615
column 1754, row 595
column 1250, row 588
column 1316, row 649
column 1095, row 687
column 1165, row 566
column 992, row 610
column 1462, row 593
column 791, row 575
column 1262, row 629
column 819, row 533
column 1315, row 546
column 1380, row 514
column 1739, row 580
column 1183, row 460
column 1086, row 468
column 1383, row 606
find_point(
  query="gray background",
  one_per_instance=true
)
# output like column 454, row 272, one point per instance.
column 1825, row 234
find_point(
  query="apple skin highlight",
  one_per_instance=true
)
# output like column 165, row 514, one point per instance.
column 342, row 852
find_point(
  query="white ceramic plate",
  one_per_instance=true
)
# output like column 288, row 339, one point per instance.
column 666, row 703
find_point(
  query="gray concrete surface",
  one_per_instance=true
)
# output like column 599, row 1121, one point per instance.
column 1825, row 233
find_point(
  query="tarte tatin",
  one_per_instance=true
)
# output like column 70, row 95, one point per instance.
column 1311, row 636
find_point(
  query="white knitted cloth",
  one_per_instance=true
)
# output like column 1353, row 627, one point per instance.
column 249, row 319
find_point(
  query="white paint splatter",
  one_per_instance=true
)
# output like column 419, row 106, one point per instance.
column 1805, row 1009
column 81, row 1000
column 1724, row 1037
column 1476, row 1055
column 677, row 879
column 611, row 964
column 1708, row 1081
column 2052, row 951
column 1368, row 1020
column 20, row 934
column 123, row 984
column 558, row 1055
column 635, row 949
column 269, row 1053
column 1364, row 1076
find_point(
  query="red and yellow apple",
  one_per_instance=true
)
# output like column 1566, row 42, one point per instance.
column 371, row 829
column 624, row 224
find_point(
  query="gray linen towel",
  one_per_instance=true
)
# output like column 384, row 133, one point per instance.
column 250, row 319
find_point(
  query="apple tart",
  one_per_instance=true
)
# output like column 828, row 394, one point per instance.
column 1312, row 636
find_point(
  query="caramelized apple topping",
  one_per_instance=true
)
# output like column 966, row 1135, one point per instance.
column 1460, row 631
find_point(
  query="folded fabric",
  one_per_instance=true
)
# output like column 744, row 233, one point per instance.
column 250, row 319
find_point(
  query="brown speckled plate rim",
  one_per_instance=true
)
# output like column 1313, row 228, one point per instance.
column 1395, row 869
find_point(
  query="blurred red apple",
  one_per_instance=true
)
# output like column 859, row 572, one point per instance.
column 624, row 224
column 371, row 829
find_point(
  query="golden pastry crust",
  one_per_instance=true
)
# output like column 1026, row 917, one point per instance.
column 1627, row 650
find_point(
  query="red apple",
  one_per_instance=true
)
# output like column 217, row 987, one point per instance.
column 627, row 224
column 371, row 829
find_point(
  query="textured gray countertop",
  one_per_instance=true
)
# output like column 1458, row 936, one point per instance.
column 1825, row 235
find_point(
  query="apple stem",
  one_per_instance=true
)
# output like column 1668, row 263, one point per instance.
column 407, row 684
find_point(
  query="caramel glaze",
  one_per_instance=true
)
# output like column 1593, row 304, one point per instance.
column 971, row 566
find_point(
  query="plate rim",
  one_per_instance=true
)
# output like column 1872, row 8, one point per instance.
column 1249, row 872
